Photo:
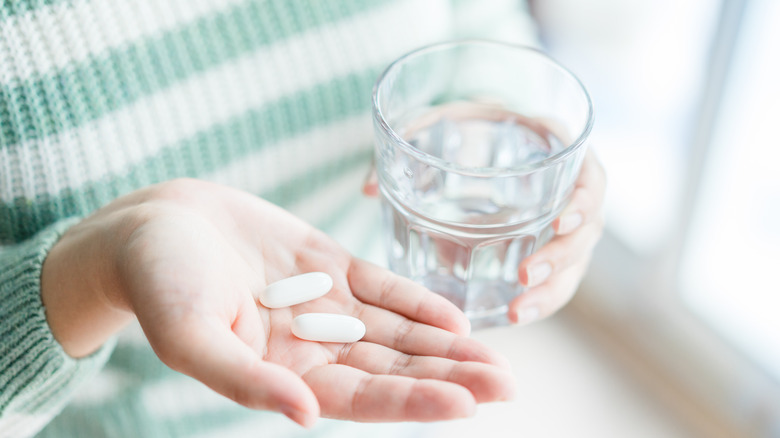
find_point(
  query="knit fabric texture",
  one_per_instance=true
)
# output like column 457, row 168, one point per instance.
column 101, row 97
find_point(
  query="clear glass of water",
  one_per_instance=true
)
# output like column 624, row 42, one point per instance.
column 478, row 146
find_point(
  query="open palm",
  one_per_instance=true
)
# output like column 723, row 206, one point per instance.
column 191, row 270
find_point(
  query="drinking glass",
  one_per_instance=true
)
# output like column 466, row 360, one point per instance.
column 478, row 146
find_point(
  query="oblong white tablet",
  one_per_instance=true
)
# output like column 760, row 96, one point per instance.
column 296, row 290
column 328, row 327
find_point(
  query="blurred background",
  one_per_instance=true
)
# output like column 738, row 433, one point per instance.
column 676, row 330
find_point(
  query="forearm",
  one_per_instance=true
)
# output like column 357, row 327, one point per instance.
column 37, row 378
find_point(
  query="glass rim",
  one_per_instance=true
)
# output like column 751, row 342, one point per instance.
column 479, row 171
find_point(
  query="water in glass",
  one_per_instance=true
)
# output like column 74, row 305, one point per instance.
column 459, row 233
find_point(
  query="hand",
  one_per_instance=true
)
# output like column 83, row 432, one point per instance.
column 554, row 271
column 188, row 259
column 552, row 274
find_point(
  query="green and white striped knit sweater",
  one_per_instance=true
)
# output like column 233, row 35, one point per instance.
column 102, row 97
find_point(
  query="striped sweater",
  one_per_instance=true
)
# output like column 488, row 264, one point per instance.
column 101, row 97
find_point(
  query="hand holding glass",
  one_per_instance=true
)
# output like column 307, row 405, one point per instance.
column 478, row 146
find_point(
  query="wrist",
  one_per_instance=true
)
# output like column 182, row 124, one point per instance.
column 79, row 292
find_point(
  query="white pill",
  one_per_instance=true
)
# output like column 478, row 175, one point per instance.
column 328, row 327
column 296, row 290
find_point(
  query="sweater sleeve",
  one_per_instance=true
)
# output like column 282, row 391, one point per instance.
column 501, row 20
column 37, row 377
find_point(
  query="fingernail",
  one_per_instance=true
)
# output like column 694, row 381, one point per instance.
column 568, row 222
column 298, row 416
column 538, row 273
column 526, row 315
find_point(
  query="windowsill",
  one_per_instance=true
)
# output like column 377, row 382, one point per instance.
column 638, row 356
column 644, row 328
column 575, row 379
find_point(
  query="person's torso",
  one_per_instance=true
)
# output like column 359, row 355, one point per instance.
column 101, row 97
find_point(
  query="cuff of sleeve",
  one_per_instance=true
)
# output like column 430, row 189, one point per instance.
column 37, row 377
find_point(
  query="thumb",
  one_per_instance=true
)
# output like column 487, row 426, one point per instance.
column 211, row 353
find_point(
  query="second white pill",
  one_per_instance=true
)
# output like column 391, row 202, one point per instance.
column 328, row 327
column 296, row 290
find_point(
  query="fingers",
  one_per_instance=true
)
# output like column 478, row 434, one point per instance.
column 371, row 184
column 559, row 254
column 381, row 288
column 404, row 335
column 587, row 198
column 348, row 393
column 544, row 300
column 553, row 272
column 210, row 352
column 485, row 382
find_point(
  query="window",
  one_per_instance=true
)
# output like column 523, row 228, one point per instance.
column 731, row 253
column 687, row 98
